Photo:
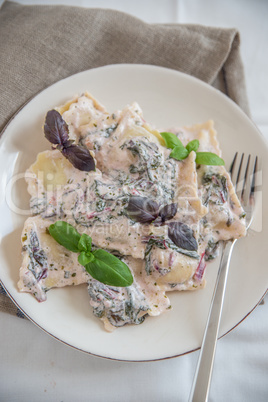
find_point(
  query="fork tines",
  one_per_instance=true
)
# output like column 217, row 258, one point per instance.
column 245, row 178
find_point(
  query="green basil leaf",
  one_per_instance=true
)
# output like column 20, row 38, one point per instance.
column 85, row 258
column 171, row 140
column 65, row 234
column 208, row 158
column 179, row 153
column 109, row 270
column 192, row 146
column 84, row 243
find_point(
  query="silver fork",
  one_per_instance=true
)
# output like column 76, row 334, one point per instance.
column 203, row 373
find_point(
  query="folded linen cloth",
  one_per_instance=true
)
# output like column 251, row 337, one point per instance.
column 43, row 44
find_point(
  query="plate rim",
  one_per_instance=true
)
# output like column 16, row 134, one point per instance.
column 142, row 66
column 125, row 360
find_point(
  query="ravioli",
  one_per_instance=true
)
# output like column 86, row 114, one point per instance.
column 131, row 161
column 225, row 218
column 45, row 263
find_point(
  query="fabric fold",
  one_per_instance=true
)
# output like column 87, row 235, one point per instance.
column 43, row 44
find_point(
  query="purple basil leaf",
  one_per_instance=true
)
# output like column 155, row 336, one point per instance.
column 142, row 209
column 68, row 143
column 168, row 212
column 79, row 157
column 182, row 235
column 55, row 128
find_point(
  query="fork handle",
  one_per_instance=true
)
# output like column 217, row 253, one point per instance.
column 203, row 373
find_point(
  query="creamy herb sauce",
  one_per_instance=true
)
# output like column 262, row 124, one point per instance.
column 131, row 160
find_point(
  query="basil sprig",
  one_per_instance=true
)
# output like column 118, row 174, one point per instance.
column 146, row 210
column 101, row 265
column 57, row 132
column 180, row 152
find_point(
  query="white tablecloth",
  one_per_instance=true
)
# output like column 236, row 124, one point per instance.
column 36, row 367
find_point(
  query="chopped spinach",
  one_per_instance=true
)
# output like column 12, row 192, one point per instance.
column 120, row 306
column 212, row 249
column 215, row 185
column 37, row 256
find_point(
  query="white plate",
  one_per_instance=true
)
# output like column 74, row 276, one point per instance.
column 168, row 98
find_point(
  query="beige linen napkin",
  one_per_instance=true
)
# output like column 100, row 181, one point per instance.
column 40, row 45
